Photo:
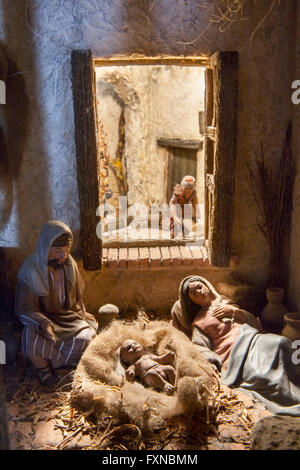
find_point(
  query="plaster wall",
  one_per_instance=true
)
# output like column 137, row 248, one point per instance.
column 294, row 270
column 150, row 288
column 38, row 36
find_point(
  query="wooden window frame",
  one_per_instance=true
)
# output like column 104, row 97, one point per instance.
column 220, row 148
column 220, row 144
column 86, row 142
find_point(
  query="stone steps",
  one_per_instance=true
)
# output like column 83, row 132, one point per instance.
column 151, row 257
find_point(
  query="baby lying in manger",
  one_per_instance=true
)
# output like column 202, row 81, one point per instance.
column 153, row 371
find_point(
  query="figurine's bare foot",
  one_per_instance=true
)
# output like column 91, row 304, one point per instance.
column 169, row 389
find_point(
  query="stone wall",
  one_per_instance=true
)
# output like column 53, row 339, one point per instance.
column 152, row 289
column 40, row 181
column 294, row 261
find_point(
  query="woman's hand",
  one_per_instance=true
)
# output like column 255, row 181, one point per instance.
column 228, row 311
column 48, row 330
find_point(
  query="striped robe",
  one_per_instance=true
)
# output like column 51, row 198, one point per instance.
column 65, row 353
column 63, row 308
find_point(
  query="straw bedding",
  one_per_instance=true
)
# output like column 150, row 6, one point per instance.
column 98, row 387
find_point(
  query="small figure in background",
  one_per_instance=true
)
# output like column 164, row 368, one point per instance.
column 153, row 371
column 184, row 193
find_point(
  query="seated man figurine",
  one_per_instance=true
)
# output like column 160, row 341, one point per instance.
column 49, row 304
column 184, row 193
column 153, row 371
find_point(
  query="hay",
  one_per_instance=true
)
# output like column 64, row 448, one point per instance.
column 97, row 386
column 225, row 408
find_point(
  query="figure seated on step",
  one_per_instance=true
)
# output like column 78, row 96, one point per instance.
column 49, row 303
column 153, row 371
column 184, row 194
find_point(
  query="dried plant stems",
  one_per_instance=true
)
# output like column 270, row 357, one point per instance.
column 273, row 197
column 227, row 12
column 224, row 13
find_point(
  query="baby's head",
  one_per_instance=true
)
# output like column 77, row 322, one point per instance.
column 131, row 351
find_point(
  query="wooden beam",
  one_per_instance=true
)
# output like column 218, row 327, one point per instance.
column 188, row 61
column 86, row 138
column 208, row 146
column 225, row 73
column 181, row 143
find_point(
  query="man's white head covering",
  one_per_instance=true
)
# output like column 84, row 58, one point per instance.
column 188, row 181
column 34, row 271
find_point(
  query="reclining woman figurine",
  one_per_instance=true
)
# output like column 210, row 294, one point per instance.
column 153, row 371
column 232, row 339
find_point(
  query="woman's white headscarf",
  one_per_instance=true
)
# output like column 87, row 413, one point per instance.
column 34, row 271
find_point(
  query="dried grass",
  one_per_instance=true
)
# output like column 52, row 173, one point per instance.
column 224, row 407
column 225, row 13
column 191, row 425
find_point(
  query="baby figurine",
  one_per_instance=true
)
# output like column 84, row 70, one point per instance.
column 154, row 371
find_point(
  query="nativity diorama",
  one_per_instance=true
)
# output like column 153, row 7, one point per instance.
column 149, row 225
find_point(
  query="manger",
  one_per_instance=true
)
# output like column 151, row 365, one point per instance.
column 98, row 386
